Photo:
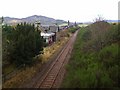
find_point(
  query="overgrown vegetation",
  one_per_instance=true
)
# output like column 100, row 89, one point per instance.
column 95, row 61
column 25, row 75
column 20, row 44
column 73, row 29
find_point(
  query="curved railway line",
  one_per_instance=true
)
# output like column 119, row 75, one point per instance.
column 48, row 80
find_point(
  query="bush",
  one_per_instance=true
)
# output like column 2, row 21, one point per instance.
column 94, row 62
column 109, row 55
column 86, row 35
column 72, row 30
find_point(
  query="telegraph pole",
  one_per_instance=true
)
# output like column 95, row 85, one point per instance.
column 68, row 23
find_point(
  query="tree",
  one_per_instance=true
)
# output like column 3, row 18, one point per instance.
column 7, row 46
column 26, row 43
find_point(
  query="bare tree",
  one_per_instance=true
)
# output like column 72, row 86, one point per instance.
column 99, row 18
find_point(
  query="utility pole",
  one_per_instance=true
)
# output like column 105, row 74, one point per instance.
column 2, row 19
column 68, row 23
column 75, row 24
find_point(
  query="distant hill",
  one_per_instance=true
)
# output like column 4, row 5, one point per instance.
column 113, row 21
column 32, row 19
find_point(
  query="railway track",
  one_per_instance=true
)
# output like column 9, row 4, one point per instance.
column 49, row 78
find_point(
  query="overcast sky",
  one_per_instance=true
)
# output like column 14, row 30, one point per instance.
column 73, row 10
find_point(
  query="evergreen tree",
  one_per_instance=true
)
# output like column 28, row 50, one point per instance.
column 26, row 43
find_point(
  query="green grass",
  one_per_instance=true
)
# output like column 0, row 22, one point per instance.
column 90, row 68
column 64, row 24
column 83, row 25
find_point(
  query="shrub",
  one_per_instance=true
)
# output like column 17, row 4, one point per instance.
column 109, row 55
column 94, row 62
column 72, row 30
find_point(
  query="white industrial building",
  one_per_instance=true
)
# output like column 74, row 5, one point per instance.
column 49, row 37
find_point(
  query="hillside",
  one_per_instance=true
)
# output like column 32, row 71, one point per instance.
column 32, row 19
column 94, row 62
